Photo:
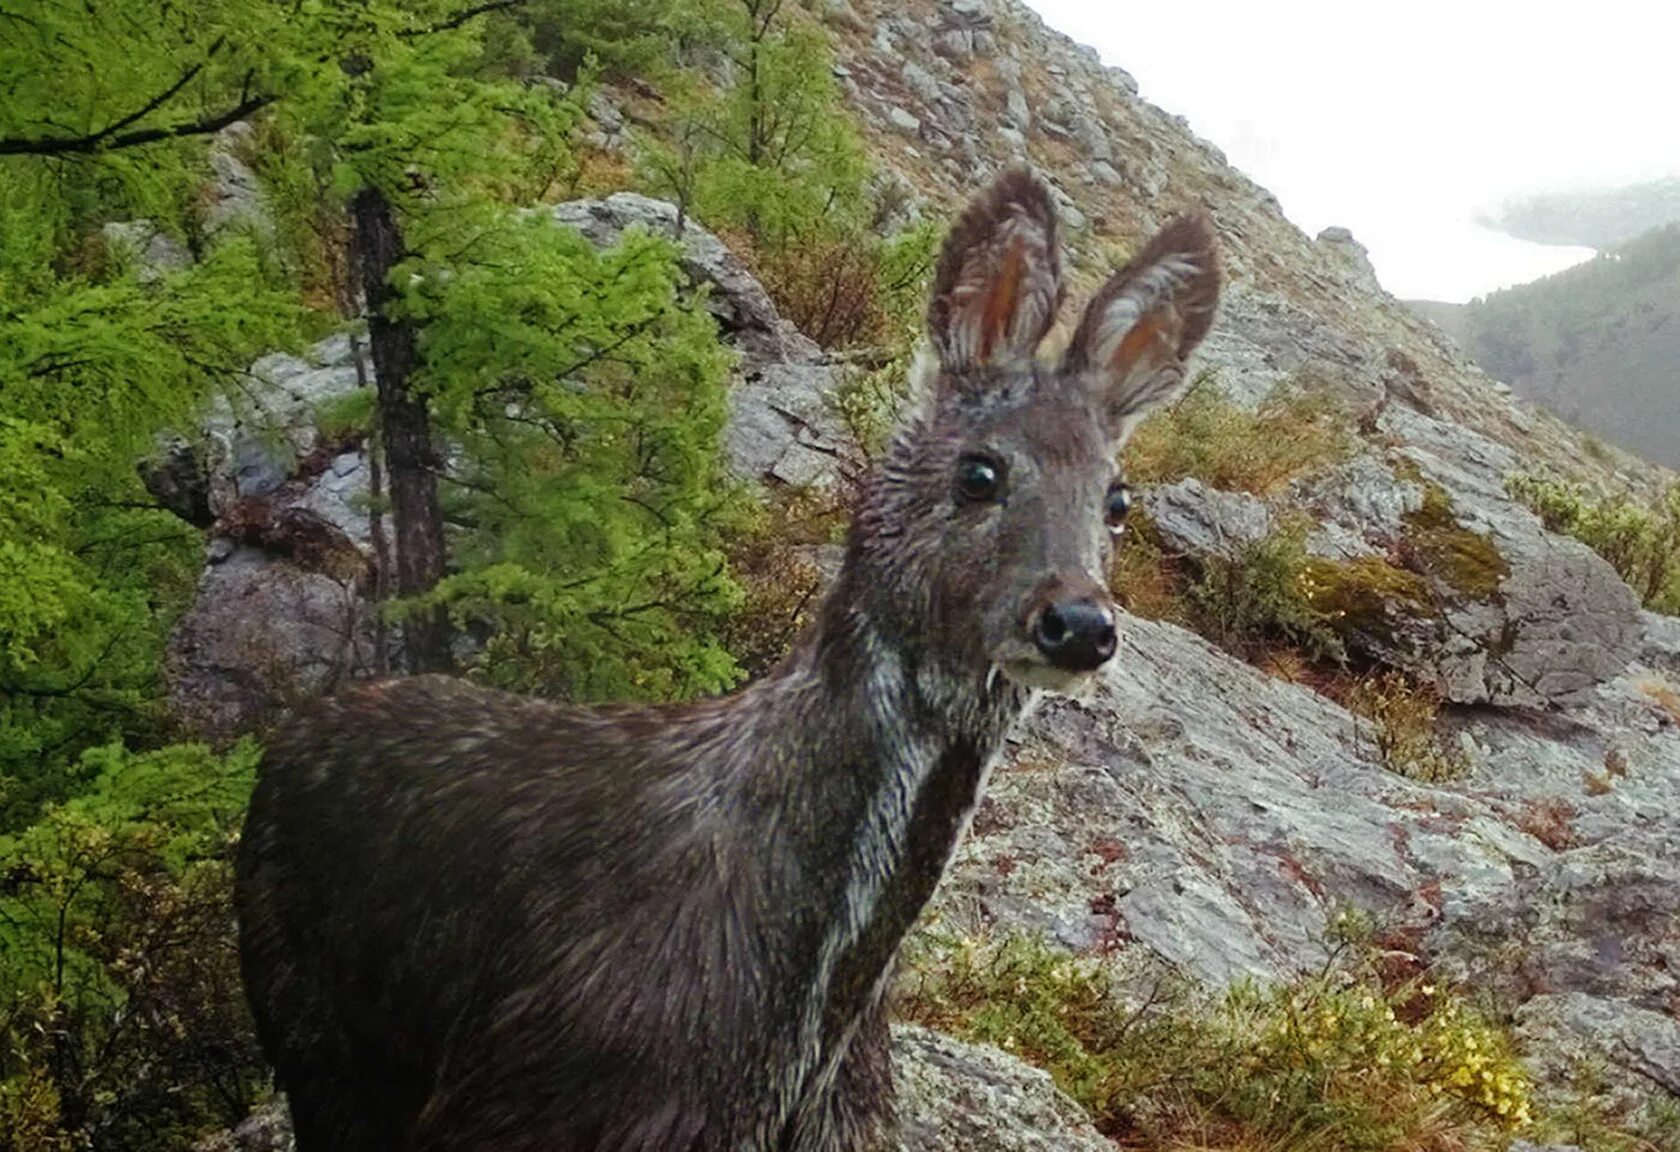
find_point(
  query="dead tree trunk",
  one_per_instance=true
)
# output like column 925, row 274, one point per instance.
column 406, row 431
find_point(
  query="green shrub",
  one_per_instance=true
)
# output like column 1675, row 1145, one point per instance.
column 1339, row 1060
column 1640, row 540
column 122, row 1018
column 1256, row 600
column 1405, row 713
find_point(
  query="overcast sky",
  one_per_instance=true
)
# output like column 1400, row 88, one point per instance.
column 1400, row 120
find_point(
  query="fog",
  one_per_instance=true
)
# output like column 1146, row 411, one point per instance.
column 1401, row 121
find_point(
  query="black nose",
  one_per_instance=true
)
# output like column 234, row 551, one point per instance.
column 1075, row 635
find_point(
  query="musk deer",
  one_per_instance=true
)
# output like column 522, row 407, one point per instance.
column 471, row 921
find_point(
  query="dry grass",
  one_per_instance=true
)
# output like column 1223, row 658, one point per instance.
column 1406, row 715
column 1341, row 1060
column 1292, row 434
column 1550, row 820
column 1661, row 693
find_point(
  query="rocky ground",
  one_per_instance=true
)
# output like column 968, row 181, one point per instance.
column 1191, row 805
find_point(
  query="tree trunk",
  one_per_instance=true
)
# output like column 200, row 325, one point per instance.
column 406, row 429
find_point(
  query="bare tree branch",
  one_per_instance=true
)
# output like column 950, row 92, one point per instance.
column 113, row 136
column 462, row 17
column 105, row 141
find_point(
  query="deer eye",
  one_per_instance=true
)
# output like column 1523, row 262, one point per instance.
column 979, row 479
column 1119, row 503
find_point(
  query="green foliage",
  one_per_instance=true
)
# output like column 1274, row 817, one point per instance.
column 1343, row 1059
column 91, row 571
column 121, row 1014
column 588, row 400
column 1293, row 433
column 1641, row 540
column 772, row 161
column 788, row 164
column 626, row 38
column 1256, row 599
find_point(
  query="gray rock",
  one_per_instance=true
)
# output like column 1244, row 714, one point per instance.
column 782, row 425
column 605, row 113
column 153, row 252
column 237, row 199
column 263, row 635
column 1121, row 79
column 256, row 439
column 1559, row 1029
column 922, row 84
column 953, row 1097
column 1105, row 173
column 1191, row 518
column 1500, row 611
column 1661, row 647
column 268, row 1129
column 1354, row 256
column 1561, row 622
column 176, row 475
column 1016, row 108
column 955, row 44
column 956, row 1097
column 903, row 121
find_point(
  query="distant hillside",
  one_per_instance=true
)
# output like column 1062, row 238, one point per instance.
column 1600, row 219
column 1452, row 319
column 1598, row 343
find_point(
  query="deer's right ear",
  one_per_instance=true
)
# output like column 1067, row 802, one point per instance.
column 999, row 280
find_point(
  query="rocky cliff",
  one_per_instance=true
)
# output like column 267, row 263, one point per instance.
column 1192, row 806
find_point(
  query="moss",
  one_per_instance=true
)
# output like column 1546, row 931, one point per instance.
column 1439, row 546
column 1365, row 596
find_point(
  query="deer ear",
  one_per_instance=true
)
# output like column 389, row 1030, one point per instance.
column 1143, row 324
column 999, row 280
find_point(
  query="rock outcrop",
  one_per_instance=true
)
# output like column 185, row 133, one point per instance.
column 783, row 428
column 953, row 1097
column 1219, row 817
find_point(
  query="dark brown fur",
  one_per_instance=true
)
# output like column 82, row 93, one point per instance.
column 473, row 921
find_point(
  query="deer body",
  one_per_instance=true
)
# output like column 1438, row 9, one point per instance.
column 475, row 921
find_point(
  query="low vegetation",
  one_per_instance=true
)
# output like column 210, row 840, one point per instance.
column 1341, row 1059
column 1405, row 716
column 1294, row 432
column 1640, row 539
column 1259, row 600
column 1363, row 1055
column 122, row 1018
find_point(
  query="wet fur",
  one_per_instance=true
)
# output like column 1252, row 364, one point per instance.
column 475, row 921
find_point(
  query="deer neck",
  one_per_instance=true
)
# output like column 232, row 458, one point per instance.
column 878, row 753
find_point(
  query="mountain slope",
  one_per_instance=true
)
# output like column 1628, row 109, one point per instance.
column 1599, row 343
column 951, row 89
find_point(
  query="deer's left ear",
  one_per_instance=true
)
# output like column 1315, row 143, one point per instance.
column 1140, row 328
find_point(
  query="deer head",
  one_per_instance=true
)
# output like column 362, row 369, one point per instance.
column 984, row 542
